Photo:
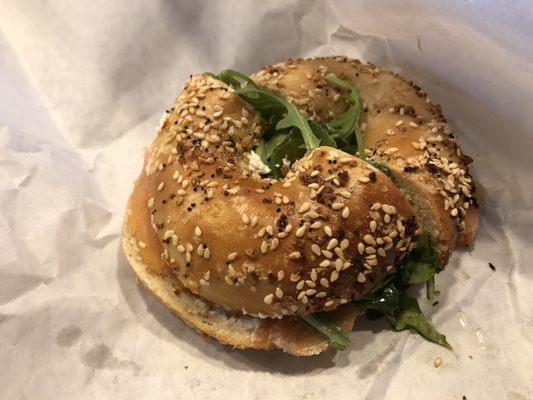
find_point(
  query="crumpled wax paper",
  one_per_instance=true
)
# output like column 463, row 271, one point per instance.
column 82, row 88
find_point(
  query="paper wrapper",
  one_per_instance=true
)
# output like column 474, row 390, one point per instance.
column 83, row 85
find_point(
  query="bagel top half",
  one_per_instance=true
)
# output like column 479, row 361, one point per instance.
column 334, row 226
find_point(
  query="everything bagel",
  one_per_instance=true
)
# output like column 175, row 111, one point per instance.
column 241, row 254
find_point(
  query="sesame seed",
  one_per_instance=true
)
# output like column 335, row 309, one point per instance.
column 454, row 212
column 332, row 243
column 345, row 212
column 369, row 239
column 232, row 256
column 360, row 248
column 181, row 192
column 337, row 206
column 245, row 219
column 361, row 277
column 301, row 231
column 279, row 293
column 363, row 179
column 386, row 218
column 268, row 298
column 370, row 250
column 381, row 252
column 334, row 276
column 327, row 254
column 304, row 208
column 313, row 186
column 373, row 226
column 151, row 202
column 261, row 232
column 315, row 248
column 281, row 275
column 274, row 244
column 253, row 221
column 207, row 253
column 264, row 246
column 197, row 231
column 388, row 209
column 324, row 282
column 313, row 275
column 304, row 300
column 316, row 225
column 346, row 194
column 328, row 231
column 313, row 214
column 339, row 253
column 269, row 229
column 310, row 292
column 325, row 263
column 286, row 200
column 375, row 206
column 161, row 186
column 344, row 244
column 399, row 123
column 300, row 285
column 294, row 255
column 141, row 244
column 203, row 282
column 329, row 303
column 437, row 363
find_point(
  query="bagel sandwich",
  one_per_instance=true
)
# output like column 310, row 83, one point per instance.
column 273, row 210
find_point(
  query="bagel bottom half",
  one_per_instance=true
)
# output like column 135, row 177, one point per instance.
column 238, row 330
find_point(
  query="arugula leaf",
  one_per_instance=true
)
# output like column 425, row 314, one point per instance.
column 281, row 146
column 330, row 332
column 410, row 317
column 430, row 289
column 345, row 124
column 322, row 135
column 262, row 98
column 386, row 301
column 422, row 263
column 231, row 78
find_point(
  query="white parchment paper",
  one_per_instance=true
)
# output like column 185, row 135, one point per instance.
column 82, row 87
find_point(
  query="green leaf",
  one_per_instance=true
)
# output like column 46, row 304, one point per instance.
column 422, row 263
column 345, row 124
column 282, row 145
column 322, row 135
column 330, row 332
column 410, row 317
column 232, row 78
column 385, row 301
column 261, row 98
column 430, row 289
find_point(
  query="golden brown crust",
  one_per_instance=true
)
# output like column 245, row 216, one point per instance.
column 287, row 334
column 324, row 235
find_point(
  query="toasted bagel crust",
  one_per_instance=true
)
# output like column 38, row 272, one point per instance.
column 142, row 249
column 321, row 237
